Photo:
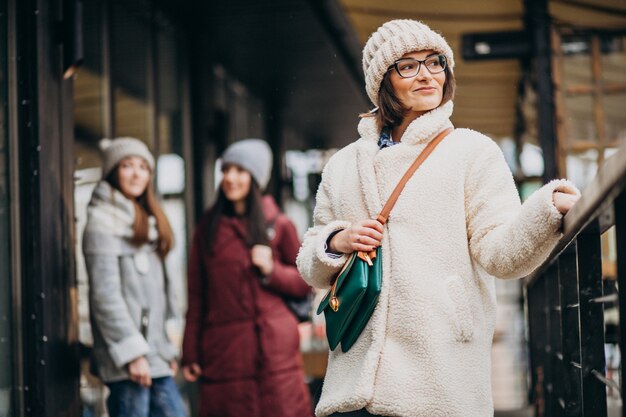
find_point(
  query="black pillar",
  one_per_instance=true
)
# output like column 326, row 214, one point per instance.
column 537, row 21
column 49, row 331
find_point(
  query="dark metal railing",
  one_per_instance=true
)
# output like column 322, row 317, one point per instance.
column 565, row 300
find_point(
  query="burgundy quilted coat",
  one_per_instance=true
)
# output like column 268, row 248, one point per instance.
column 239, row 329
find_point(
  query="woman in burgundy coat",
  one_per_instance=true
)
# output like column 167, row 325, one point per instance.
column 241, row 340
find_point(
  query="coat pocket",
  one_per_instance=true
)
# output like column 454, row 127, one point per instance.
column 463, row 322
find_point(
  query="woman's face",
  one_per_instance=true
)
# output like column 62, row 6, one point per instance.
column 235, row 183
column 134, row 176
column 422, row 92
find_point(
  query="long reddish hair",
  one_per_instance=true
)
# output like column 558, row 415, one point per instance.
column 145, row 206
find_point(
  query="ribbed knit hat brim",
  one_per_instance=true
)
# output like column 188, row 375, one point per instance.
column 253, row 155
column 113, row 151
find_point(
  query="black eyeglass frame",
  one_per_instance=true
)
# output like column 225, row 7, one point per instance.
column 442, row 61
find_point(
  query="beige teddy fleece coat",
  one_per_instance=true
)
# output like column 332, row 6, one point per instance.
column 457, row 225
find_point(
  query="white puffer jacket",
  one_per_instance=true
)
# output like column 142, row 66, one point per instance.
column 426, row 351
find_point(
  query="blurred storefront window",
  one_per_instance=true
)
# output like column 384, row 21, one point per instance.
column 171, row 181
column 132, row 71
column 590, row 75
column 131, row 84
column 89, row 92
column 91, row 124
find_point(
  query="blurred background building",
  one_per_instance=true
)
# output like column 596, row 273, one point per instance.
column 546, row 79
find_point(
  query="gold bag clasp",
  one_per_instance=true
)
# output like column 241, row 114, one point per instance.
column 366, row 257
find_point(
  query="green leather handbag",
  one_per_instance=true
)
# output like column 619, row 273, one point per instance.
column 354, row 293
column 352, row 299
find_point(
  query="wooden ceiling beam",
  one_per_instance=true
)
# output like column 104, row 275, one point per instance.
column 391, row 13
column 595, row 7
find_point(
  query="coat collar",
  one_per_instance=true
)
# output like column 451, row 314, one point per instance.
column 421, row 130
column 110, row 212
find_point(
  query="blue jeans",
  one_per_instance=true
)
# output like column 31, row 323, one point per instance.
column 129, row 399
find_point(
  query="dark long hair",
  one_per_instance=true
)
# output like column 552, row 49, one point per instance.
column 145, row 206
column 254, row 218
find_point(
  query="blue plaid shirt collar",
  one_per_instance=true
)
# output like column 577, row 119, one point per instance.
column 385, row 140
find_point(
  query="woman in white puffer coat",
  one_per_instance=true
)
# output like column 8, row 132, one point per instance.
column 457, row 225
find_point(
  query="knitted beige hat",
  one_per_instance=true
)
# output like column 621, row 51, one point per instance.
column 113, row 151
column 390, row 42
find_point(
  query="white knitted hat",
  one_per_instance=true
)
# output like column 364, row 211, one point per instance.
column 253, row 155
column 390, row 42
column 113, row 151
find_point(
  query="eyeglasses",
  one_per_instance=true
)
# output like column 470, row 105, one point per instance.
column 410, row 67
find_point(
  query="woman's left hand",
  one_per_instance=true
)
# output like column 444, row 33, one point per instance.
column 262, row 259
column 563, row 201
column 174, row 366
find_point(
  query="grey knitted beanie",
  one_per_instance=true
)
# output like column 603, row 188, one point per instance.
column 390, row 42
column 253, row 155
column 113, row 151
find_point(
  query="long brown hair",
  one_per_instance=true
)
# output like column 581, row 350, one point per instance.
column 145, row 206
column 390, row 110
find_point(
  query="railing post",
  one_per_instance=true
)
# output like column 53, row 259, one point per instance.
column 620, row 244
column 535, row 300
column 554, row 355
column 591, row 321
column 570, row 332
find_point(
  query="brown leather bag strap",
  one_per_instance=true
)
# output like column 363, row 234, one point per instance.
column 384, row 214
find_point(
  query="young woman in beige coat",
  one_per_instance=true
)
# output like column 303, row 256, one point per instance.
column 457, row 225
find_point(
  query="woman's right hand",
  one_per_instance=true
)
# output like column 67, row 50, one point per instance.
column 139, row 371
column 364, row 236
column 192, row 372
